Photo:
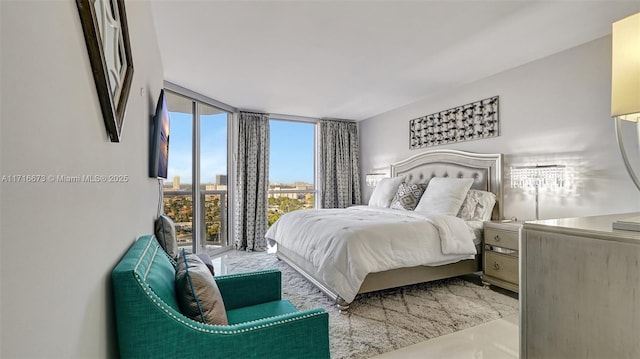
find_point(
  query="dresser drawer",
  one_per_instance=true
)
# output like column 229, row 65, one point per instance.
column 501, row 266
column 501, row 238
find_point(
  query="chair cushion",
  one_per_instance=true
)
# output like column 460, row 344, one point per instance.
column 165, row 232
column 260, row 311
column 198, row 294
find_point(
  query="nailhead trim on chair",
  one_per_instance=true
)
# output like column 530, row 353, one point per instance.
column 153, row 256
column 205, row 327
column 240, row 275
column 162, row 305
column 144, row 252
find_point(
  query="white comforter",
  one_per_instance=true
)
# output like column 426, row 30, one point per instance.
column 344, row 245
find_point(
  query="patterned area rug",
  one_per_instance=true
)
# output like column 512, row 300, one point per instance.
column 390, row 319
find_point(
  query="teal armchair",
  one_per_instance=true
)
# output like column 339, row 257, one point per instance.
column 261, row 323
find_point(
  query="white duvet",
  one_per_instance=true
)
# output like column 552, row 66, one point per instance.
column 344, row 245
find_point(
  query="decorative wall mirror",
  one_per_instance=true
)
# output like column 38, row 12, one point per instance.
column 104, row 23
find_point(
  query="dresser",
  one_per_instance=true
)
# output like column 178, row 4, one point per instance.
column 500, row 254
column 579, row 289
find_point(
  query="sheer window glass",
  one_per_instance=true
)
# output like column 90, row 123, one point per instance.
column 213, row 176
column 291, row 167
column 177, row 188
column 195, row 192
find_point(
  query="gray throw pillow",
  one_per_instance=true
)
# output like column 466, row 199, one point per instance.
column 477, row 206
column 165, row 232
column 204, row 257
column 408, row 196
column 198, row 294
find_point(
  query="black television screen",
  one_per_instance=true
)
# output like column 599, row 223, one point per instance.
column 159, row 151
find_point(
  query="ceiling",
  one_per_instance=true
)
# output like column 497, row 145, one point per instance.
column 357, row 59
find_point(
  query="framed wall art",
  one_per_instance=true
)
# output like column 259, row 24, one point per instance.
column 473, row 121
column 104, row 23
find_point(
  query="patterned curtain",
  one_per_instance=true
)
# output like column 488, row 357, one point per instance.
column 339, row 164
column 252, row 182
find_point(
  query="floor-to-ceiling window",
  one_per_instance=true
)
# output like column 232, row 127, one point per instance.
column 195, row 191
column 291, row 167
column 214, row 125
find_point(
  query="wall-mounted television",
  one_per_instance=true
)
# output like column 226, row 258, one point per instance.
column 159, row 144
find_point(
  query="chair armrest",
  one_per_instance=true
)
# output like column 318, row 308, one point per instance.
column 296, row 335
column 156, row 330
column 245, row 289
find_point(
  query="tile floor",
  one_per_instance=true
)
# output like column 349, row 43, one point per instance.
column 493, row 340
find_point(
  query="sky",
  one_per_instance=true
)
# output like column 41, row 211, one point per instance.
column 291, row 149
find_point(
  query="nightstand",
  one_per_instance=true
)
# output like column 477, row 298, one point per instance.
column 500, row 254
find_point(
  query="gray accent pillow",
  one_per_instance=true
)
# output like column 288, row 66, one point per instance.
column 165, row 232
column 408, row 196
column 197, row 292
column 204, row 257
column 477, row 206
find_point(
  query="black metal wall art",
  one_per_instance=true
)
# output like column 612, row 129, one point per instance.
column 473, row 121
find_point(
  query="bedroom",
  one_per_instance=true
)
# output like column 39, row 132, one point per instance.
column 61, row 229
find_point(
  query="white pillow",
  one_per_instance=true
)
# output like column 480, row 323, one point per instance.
column 477, row 205
column 384, row 192
column 444, row 195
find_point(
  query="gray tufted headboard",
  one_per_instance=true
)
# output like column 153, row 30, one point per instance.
column 485, row 169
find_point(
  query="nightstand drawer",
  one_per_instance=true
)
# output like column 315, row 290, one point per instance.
column 501, row 266
column 501, row 238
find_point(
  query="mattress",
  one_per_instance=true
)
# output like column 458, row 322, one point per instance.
column 344, row 245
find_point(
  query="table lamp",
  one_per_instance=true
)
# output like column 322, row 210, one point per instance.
column 539, row 176
column 625, row 91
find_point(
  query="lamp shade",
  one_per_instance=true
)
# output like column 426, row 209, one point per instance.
column 625, row 69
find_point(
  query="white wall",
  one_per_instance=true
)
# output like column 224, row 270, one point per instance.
column 60, row 241
column 552, row 111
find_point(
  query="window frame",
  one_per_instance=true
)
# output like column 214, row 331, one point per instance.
column 197, row 99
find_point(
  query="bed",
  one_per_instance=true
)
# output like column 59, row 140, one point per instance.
column 327, row 274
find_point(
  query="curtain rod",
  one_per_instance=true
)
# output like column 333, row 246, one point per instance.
column 254, row 112
column 337, row 120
